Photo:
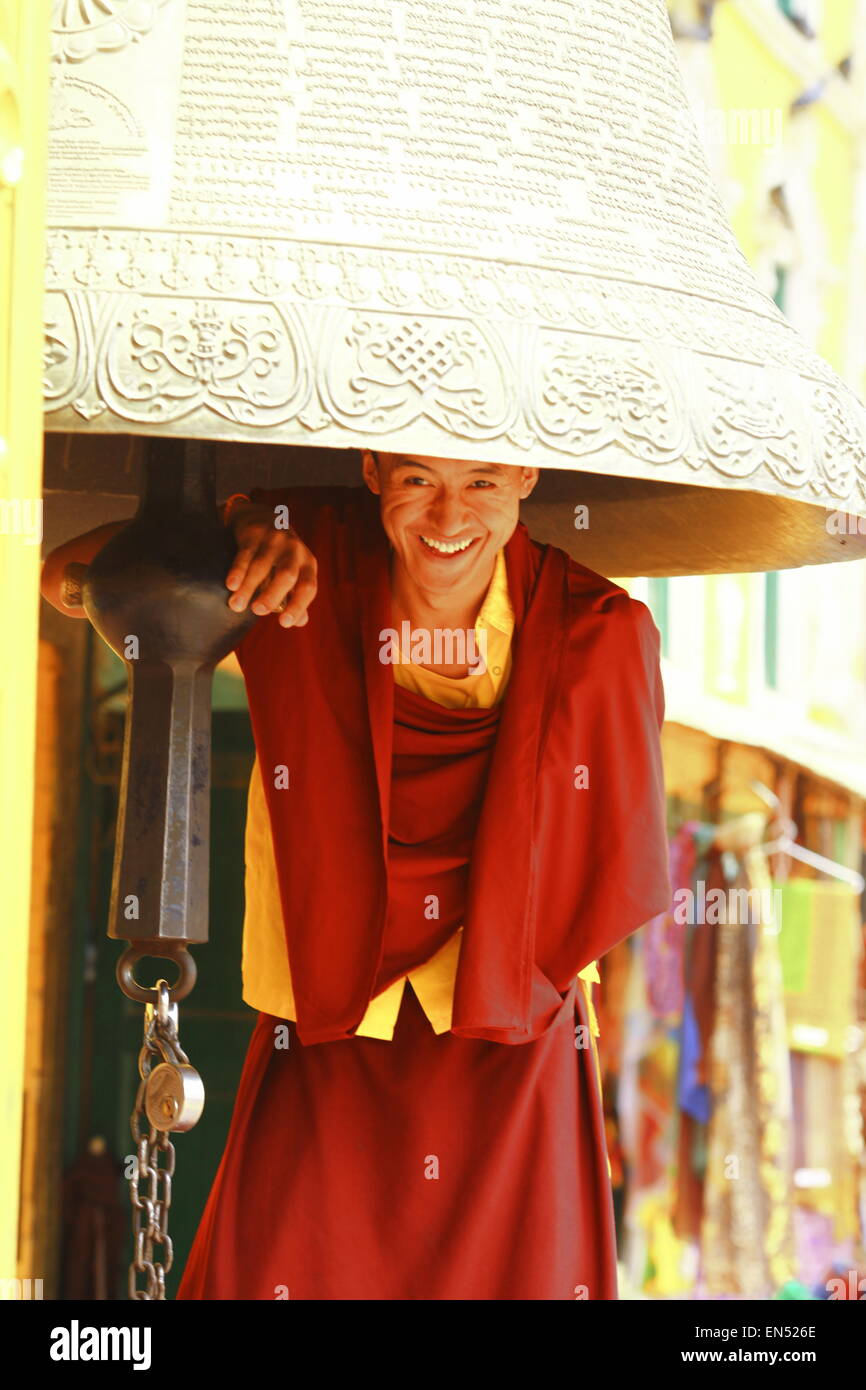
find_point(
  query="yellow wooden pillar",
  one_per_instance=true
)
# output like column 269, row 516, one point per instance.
column 24, row 64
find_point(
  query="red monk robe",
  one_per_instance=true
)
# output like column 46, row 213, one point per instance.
column 469, row 1164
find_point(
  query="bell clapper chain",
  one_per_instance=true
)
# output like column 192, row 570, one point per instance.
column 170, row 1098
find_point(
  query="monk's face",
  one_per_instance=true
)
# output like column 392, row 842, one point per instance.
column 447, row 518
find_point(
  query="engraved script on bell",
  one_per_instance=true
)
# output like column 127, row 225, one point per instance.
column 464, row 228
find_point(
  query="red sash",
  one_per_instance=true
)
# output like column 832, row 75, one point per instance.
column 441, row 759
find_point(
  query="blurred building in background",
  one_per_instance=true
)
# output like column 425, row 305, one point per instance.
column 735, row 1048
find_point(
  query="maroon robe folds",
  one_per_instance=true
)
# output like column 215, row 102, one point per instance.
column 440, row 764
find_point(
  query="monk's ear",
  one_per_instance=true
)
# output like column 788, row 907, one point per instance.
column 370, row 470
column 528, row 481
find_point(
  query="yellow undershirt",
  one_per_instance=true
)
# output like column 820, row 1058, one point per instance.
column 267, row 983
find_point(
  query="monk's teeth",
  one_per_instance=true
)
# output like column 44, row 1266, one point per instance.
column 447, row 547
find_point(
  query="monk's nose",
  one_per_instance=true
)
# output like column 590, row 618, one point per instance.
column 450, row 515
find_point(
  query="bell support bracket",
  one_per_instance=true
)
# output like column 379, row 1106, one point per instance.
column 156, row 594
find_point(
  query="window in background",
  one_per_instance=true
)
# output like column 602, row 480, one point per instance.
column 659, row 605
column 771, row 629
column 794, row 10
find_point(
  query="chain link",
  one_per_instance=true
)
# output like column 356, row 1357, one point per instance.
column 151, row 1182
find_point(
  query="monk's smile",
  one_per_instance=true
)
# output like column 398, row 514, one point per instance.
column 447, row 549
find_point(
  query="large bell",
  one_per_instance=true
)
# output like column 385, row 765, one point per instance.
column 460, row 228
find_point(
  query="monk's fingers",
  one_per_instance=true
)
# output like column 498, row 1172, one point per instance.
column 239, row 566
column 257, row 571
column 298, row 601
column 281, row 580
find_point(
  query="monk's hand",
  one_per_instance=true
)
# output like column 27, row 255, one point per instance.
column 273, row 570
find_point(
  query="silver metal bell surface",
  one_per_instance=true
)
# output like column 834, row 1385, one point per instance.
column 459, row 228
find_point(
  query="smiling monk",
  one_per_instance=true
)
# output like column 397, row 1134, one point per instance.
column 436, row 856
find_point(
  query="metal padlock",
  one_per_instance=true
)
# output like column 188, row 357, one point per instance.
column 173, row 1091
column 173, row 1096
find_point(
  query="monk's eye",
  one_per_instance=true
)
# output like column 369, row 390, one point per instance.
column 416, row 479
column 482, row 482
